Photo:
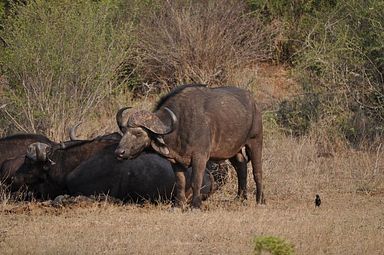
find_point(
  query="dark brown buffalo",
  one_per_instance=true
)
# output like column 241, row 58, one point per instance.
column 12, row 152
column 45, row 166
column 9, row 168
column 149, row 177
column 193, row 124
column 15, row 145
column 90, row 167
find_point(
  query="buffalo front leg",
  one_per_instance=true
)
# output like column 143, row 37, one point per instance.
column 181, row 200
column 240, row 165
column 198, row 168
column 255, row 151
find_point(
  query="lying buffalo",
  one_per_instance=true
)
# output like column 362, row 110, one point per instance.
column 12, row 151
column 45, row 166
column 193, row 124
column 9, row 168
column 147, row 177
column 71, row 169
column 15, row 145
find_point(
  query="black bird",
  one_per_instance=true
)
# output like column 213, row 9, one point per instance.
column 317, row 201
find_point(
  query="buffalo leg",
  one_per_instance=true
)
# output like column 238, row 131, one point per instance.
column 255, row 150
column 240, row 165
column 180, row 186
column 198, row 169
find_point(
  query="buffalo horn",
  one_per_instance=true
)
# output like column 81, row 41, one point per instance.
column 173, row 118
column 152, row 122
column 37, row 151
column 72, row 132
column 119, row 119
column 41, row 152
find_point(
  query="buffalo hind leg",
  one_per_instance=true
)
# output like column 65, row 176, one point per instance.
column 240, row 165
column 254, row 150
column 198, row 168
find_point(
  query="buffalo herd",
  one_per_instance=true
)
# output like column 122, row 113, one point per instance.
column 167, row 154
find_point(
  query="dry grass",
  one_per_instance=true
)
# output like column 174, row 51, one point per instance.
column 350, row 220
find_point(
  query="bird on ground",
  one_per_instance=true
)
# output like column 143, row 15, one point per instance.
column 317, row 201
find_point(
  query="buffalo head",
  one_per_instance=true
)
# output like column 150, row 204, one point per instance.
column 35, row 166
column 143, row 129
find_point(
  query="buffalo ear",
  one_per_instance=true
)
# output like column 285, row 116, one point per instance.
column 160, row 147
column 160, row 140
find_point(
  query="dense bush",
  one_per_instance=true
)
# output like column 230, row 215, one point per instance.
column 296, row 19
column 61, row 61
column 341, row 62
column 199, row 41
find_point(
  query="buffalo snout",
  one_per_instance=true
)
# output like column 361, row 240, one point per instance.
column 120, row 153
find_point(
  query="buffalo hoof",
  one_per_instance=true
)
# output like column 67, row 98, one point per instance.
column 261, row 199
column 241, row 198
column 196, row 202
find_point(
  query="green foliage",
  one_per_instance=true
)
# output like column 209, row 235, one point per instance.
column 2, row 9
column 341, row 60
column 62, row 60
column 273, row 245
column 295, row 17
column 345, row 52
column 297, row 115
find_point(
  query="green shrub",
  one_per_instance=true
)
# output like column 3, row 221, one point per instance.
column 297, row 115
column 273, row 245
column 341, row 60
column 295, row 17
column 62, row 60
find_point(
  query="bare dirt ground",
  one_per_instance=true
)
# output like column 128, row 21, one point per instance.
column 350, row 219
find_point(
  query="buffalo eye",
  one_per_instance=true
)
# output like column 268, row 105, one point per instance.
column 137, row 133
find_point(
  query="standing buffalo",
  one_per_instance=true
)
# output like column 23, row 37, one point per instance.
column 193, row 124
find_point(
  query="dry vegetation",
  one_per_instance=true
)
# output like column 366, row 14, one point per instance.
column 202, row 42
column 349, row 221
column 50, row 95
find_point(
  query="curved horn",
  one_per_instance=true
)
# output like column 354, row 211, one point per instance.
column 152, row 122
column 72, row 132
column 119, row 119
column 173, row 118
